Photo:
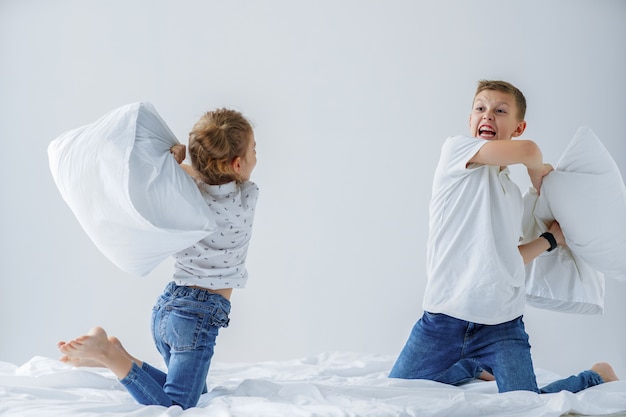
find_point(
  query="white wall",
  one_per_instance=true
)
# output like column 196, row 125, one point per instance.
column 350, row 99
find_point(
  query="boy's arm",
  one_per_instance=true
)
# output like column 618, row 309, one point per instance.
column 510, row 152
column 534, row 248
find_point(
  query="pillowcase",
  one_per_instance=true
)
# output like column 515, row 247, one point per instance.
column 127, row 191
column 559, row 280
column 586, row 194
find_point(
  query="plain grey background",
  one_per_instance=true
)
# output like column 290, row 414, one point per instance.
column 351, row 101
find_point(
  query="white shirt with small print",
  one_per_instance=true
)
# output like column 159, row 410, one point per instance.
column 218, row 261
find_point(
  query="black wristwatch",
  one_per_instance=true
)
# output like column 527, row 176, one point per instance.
column 550, row 238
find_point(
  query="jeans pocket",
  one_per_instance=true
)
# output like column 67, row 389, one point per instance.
column 181, row 329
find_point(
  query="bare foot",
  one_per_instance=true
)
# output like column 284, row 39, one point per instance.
column 96, row 348
column 605, row 371
column 486, row 376
column 79, row 362
column 91, row 346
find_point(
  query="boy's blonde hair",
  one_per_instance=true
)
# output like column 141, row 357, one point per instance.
column 216, row 139
column 508, row 88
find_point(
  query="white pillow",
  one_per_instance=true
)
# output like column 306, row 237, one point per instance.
column 127, row 191
column 559, row 280
column 586, row 194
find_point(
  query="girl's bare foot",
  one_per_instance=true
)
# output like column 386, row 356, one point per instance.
column 97, row 349
column 605, row 371
column 91, row 346
column 78, row 362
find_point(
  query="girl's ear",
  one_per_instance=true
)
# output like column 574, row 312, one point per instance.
column 236, row 165
column 521, row 126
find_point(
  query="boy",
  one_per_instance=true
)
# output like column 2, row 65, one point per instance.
column 475, row 297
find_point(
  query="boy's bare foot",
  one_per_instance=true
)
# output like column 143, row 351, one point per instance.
column 605, row 371
column 486, row 376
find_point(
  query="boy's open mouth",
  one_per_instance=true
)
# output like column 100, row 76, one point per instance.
column 486, row 132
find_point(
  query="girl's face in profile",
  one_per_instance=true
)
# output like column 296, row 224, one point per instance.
column 248, row 162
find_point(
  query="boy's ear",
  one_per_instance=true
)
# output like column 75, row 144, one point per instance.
column 521, row 126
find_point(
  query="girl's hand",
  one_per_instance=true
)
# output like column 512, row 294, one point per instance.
column 179, row 151
column 536, row 175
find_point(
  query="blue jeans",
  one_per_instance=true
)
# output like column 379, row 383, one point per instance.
column 185, row 324
column 445, row 349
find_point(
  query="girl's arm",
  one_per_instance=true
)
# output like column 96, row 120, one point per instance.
column 179, row 151
column 191, row 171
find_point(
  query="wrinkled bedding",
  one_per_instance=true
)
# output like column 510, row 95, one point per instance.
column 329, row 384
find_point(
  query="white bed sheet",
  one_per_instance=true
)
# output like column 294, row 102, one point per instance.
column 330, row 384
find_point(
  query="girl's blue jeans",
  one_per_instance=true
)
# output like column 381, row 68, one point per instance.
column 445, row 349
column 185, row 324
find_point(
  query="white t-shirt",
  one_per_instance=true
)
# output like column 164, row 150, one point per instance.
column 475, row 271
column 218, row 261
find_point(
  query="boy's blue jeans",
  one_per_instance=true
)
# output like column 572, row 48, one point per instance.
column 445, row 349
column 185, row 324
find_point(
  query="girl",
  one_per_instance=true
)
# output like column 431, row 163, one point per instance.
column 189, row 313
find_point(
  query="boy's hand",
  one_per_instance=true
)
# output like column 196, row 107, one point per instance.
column 536, row 175
column 179, row 151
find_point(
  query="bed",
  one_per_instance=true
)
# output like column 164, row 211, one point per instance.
column 329, row 384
